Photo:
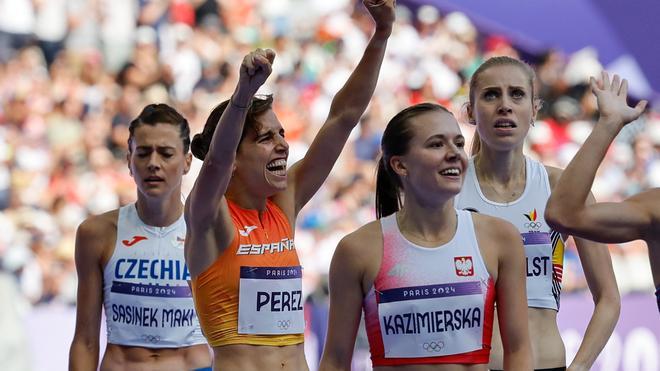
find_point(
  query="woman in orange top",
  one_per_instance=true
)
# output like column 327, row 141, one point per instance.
column 241, row 213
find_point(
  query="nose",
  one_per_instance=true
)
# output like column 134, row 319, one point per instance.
column 453, row 152
column 282, row 144
column 154, row 162
column 505, row 106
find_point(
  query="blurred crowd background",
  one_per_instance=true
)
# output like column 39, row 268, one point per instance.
column 74, row 73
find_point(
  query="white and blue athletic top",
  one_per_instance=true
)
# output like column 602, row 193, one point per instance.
column 146, row 296
column 544, row 247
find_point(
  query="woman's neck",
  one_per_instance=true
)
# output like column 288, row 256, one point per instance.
column 240, row 196
column 159, row 212
column 504, row 168
column 429, row 223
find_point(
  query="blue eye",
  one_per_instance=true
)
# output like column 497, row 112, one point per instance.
column 518, row 94
column 490, row 95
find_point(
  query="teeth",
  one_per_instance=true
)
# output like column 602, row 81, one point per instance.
column 276, row 163
column 452, row 171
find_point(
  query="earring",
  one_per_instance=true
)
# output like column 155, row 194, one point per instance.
column 533, row 123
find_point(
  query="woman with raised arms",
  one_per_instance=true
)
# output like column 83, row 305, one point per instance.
column 241, row 213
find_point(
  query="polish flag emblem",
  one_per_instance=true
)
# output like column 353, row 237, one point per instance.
column 464, row 266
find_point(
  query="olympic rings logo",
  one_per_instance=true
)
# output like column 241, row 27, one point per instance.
column 151, row 338
column 434, row 346
column 533, row 225
column 284, row 325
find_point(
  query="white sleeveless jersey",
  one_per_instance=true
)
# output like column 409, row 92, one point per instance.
column 146, row 296
column 544, row 247
column 430, row 302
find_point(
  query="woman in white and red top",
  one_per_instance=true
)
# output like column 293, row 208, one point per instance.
column 427, row 275
column 502, row 182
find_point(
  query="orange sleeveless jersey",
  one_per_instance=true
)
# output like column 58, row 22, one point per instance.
column 257, row 243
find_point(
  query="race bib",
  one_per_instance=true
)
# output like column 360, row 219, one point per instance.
column 270, row 301
column 538, row 253
column 433, row 320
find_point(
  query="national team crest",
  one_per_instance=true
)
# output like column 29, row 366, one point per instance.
column 464, row 266
column 532, row 222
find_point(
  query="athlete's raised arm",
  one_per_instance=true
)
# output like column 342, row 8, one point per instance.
column 206, row 208
column 567, row 210
column 347, row 107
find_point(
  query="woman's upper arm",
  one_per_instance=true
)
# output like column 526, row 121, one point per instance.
column 208, row 191
column 92, row 239
column 207, row 238
column 612, row 222
column 511, row 285
column 346, row 296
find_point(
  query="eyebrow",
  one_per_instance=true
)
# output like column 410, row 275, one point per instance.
column 442, row 136
column 270, row 132
column 157, row 147
column 498, row 88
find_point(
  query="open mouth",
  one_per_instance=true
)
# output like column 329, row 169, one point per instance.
column 452, row 171
column 277, row 167
column 505, row 124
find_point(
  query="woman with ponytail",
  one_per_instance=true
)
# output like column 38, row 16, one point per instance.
column 241, row 213
column 502, row 182
column 427, row 275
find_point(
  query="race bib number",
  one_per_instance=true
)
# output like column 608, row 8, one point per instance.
column 433, row 320
column 270, row 301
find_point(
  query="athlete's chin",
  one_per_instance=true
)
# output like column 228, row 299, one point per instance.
column 506, row 143
column 152, row 192
column 278, row 182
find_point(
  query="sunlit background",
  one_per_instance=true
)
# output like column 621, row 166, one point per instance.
column 73, row 73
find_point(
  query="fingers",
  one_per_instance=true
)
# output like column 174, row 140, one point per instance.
column 374, row 3
column 594, row 84
column 606, row 80
column 270, row 55
column 616, row 82
column 623, row 90
column 248, row 64
column 258, row 59
column 618, row 85
column 640, row 107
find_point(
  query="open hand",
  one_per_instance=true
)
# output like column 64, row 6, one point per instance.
column 612, row 104
column 382, row 11
column 255, row 69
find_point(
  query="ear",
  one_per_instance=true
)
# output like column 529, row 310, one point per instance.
column 470, row 114
column 128, row 162
column 538, row 103
column 188, row 162
column 398, row 165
